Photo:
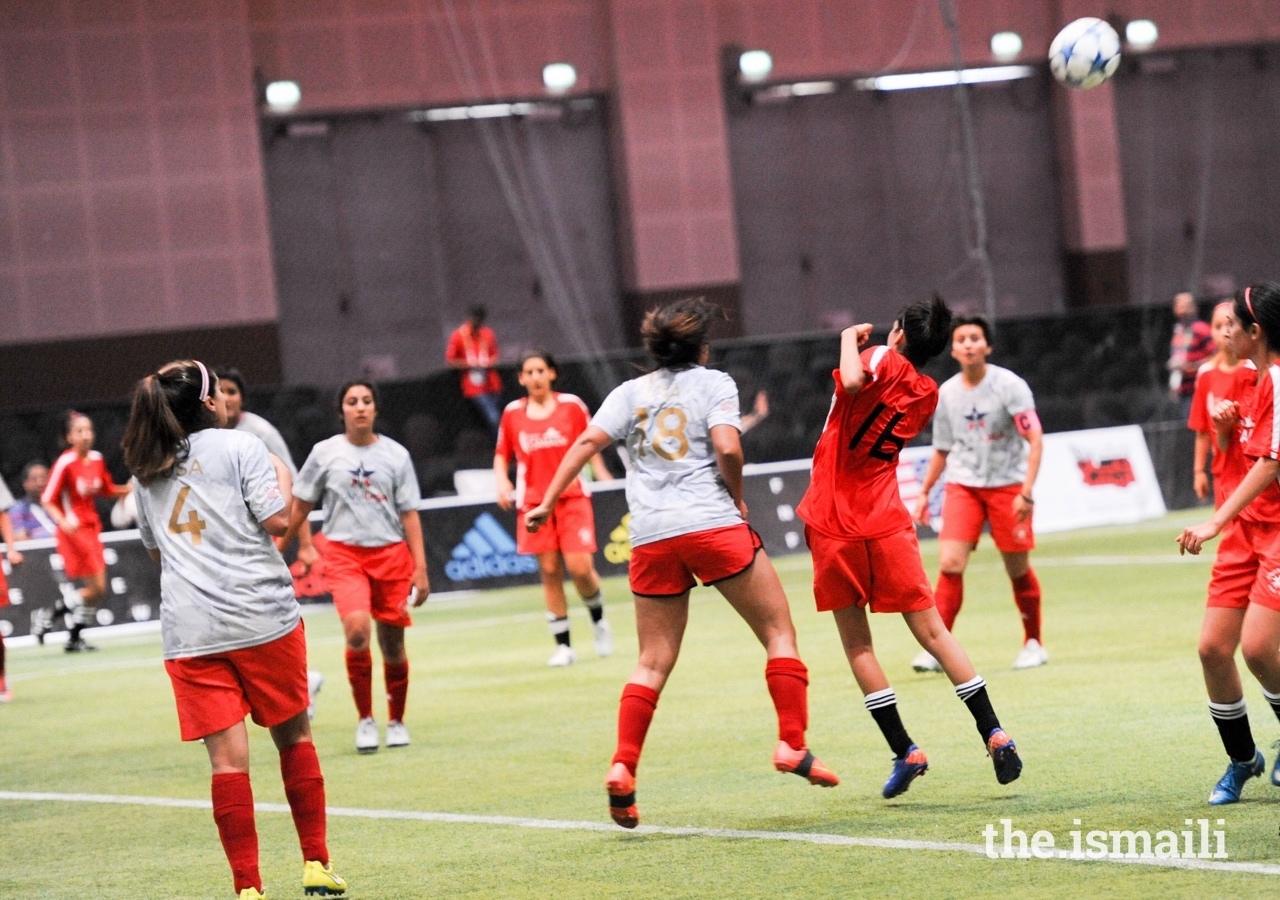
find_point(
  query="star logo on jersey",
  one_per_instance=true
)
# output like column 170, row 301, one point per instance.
column 975, row 419
column 360, row 476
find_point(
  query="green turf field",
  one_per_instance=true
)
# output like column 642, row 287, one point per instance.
column 1114, row 732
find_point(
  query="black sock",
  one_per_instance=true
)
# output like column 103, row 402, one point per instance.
column 595, row 606
column 76, row 628
column 883, row 706
column 1232, row 720
column 974, row 695
column 559, row 626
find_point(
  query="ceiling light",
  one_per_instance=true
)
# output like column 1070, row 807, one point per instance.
column 1006, row 46
column 1141, row 33
column 283, row 96
column 559, row 78
column 755, row 66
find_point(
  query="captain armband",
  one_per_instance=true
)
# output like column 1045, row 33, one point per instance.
column 1027, row 422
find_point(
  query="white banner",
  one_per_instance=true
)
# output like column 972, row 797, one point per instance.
column 1102, row 476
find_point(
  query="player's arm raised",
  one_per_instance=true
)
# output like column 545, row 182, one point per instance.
column 852, row 375
column 588, row 444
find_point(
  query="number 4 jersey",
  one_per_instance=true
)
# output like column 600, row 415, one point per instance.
column 223, row 584
column 665, row 417
column 853, row 490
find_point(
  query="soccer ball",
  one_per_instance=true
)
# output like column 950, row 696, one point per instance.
column 1085, row 53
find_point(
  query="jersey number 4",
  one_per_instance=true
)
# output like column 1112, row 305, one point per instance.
column 881, row 449
column 194, row 524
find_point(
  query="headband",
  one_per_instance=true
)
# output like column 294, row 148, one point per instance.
column 1249, row 303
column 204, row 381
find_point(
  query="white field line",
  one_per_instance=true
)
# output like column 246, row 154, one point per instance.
column 804, row 837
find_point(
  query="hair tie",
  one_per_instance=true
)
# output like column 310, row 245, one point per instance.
column 204, row 380
column 1249, row 303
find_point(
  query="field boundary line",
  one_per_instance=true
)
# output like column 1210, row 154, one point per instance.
column 804, row 837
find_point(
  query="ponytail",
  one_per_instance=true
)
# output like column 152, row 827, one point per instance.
column 167, row 408
column 927, row 326
column 675, row 334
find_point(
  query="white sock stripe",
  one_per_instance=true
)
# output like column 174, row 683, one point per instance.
column 880, row 699
column 557, row 625
column 1228, row 711
column 1273, row 699
column 594, row 600
column 970, row 687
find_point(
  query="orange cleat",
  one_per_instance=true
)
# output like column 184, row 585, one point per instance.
column 804, row 764
column 621, row 785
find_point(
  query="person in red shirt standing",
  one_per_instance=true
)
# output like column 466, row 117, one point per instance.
column 1244, row 590
column 473, row 348
column 536, row 432
column 865, row 552
column 1191, row 345
column 1214, row 382
column 77, row 477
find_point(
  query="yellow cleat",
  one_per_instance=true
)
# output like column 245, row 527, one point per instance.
column 321, row 880
column 251, row 893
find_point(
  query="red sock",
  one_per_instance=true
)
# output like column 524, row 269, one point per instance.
column 635, row 712
column 233, row 813
column 949, row 596
column 788, row 682
column 1026, row 593
column 396, row 676
column 360, row 674
column 304, row 787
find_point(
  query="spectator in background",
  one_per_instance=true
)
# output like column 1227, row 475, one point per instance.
column 30, row 521
column 1191, row 345
column 473, row 348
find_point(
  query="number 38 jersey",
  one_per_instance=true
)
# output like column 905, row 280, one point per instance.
column 853, row 490
column 223, row 584
column 674, row 485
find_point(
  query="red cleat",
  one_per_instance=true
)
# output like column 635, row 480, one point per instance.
column 805, row 764
column 621, row 785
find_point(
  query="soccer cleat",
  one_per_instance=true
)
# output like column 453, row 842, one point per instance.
column 41, row 624
column 621, row 785
column 604, row 638
column 1275, row 770
column 320, row 880
column 79, row 646
column 564, row 656
column 924, row 662
column 397, row 735
column 1031, row 655
column 367, row 736
column 251, row 893
column 906, row 769
column 1231, row 784
column 803, row 763
column 315, row 681
column 1004, row 756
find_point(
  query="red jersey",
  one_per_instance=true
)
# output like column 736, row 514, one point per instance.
column 74, row 482
column 538, row 445
column 1212, row 387
column 1262, row 441
column 853, row 491
column 479, row 351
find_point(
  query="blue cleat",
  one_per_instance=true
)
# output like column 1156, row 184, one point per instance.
column 906, row 769
column 1228, row 788
column 1275, row 770
column 1004, row 756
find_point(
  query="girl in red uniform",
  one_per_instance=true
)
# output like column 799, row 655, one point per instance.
column 536, row 432
column 1244, row 590
column 77, row 477
column 865, row 553
column 1215, row 382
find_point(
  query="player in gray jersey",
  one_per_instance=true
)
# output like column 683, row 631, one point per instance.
column 209, row 501
column 374, row 562
column 688, row 523
column 988, row 438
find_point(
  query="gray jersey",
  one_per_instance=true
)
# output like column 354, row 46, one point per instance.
column 665, row 417
column 6, row 498
column 976, row 428
column 267, row 433
column 363, row 489
column 223, row 584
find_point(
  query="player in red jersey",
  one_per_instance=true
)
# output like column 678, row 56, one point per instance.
column 865, row 552
column 1244, row 591
column 1215, row 382
column 536, row 432
column 14, row 558
column 77, row 477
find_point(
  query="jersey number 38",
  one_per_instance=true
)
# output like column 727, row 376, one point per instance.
column 669, row 440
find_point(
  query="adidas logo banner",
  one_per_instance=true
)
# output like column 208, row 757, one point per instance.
column 487, row 550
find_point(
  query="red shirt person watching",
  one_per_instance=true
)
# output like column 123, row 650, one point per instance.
column 1191, row 345
column 473, row 348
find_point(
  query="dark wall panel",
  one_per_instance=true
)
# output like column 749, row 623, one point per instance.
column 1198, row 136
column 855, row 203
column 388, row 230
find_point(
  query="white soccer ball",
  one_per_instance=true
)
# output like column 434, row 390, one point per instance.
column 1085, row 53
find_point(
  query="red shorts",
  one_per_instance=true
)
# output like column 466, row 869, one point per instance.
column 4, row 589
column 668, row 568
column 884, row 573
column 571, row 529
column 214, row 692
column 1247, row 567
column 375, row 580
column 964, row 509
column 81, row 552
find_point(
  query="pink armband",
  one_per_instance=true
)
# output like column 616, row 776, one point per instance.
column 1027, row 422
